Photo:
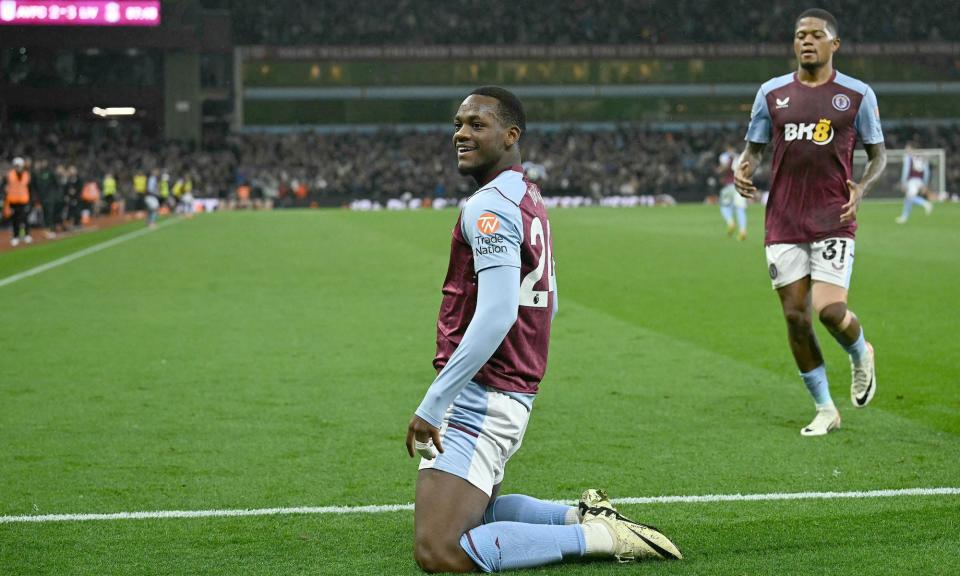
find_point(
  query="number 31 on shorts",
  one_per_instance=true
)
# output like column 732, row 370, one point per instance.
column 830, row 251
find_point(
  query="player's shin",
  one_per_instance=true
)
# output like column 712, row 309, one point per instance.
column 516, row 545
column 858, row 349
column 521, row 508
column 845, row 328
column 816, row 382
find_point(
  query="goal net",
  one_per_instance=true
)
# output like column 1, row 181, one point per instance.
column 889, row 184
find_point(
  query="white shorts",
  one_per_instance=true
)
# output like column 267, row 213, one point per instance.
column 481, row 430
column 829, row 260
column 730, row 197
column 914, row 186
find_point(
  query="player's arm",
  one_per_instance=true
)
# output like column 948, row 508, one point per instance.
column 876, row 162
column 905, row 171
column 498, row 302
column 746, row 166
column 758, row 134
column 556, row 296
column 867, row 124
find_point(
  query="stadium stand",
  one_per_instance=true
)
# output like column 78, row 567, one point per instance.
column 282, row 159
column 335, row 168
column 407, row 22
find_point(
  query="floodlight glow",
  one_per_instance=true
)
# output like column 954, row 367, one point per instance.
column 114, row 111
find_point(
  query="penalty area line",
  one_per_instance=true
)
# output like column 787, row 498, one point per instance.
column 85, row 252
column 162, row 514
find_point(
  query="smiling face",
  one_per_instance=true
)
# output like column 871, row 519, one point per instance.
column 814, row 43
column 483, row 143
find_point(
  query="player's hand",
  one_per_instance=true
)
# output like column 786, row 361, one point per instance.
column 423, row 439
column 850, row 208
column 743, row 180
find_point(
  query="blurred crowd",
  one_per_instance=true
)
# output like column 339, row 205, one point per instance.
column 309, row 168
column 93, row 150
column 626, row 160
column 389, row 164
column 419, row 22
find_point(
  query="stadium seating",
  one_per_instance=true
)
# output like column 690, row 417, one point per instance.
column 406, row 22
column 333, row 168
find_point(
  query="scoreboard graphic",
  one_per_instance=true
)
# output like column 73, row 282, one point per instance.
column 85, row 13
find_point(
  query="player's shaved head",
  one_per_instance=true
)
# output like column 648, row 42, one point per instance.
column 820, row 14
column 510, row 110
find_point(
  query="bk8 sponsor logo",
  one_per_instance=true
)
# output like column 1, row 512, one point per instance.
column 820, row 133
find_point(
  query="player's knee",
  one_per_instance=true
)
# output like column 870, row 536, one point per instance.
column 832, row 315
column 797, row 319
column 426, row 556
column 434, row 556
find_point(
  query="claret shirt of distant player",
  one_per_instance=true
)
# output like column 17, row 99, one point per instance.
column 726, row 160
column 917, row 167
column 814, row 132
column 503, row 224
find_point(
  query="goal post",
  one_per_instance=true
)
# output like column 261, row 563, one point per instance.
column 889, row 184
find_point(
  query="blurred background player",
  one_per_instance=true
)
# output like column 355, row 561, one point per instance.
column 18, row 201
column 914, row 178
column 110, row 200
column 493, row 333
column 89, row 200
column 183, row 193
column 813, row 117
column 730, row 201
column 72, row 186
column 46, row 185
column 164, row 191
column 151, row 199
column 140, row 190
column 535, row 172
column 153, row 186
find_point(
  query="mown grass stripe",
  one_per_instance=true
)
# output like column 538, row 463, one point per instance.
column 80, row 254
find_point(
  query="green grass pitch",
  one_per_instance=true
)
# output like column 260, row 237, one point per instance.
column 256, row 360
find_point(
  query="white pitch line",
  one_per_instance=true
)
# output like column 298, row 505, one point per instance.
column 85, row 252
column 790, row 496
column 406, row 507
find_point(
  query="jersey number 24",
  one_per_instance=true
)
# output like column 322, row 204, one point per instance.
column 529, row 295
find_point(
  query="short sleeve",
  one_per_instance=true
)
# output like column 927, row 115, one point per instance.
column 492, row 227
column 760, row 120
column 868, row 119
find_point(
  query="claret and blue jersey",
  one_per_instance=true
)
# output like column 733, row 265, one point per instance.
column 915, row 167
column 814, row 130
column 503, row 224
